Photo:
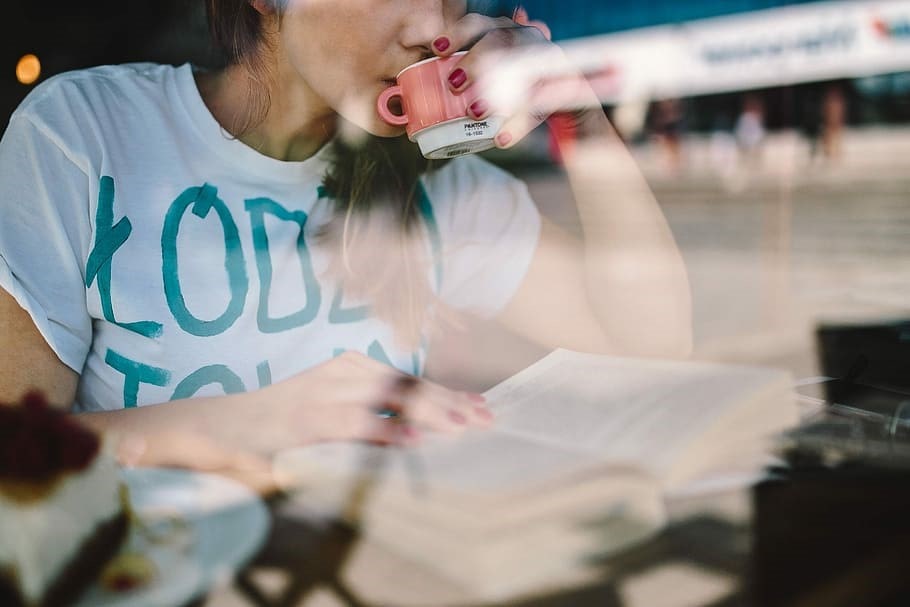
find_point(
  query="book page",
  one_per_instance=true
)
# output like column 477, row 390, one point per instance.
column 474, row 484
column 473, row 487
column 571, row 415
column 474, row 463
column 644, row 412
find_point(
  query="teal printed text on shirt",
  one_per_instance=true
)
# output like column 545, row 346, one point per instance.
column 230, row 235
column 202, row 200
column 258, row 208
column 108, row 239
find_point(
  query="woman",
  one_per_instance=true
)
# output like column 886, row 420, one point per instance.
column 209, row 240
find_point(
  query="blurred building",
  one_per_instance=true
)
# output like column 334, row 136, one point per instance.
column 714, row 54
column 65, row 36
column 577, row 18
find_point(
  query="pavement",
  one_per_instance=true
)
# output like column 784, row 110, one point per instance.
column 780, row 245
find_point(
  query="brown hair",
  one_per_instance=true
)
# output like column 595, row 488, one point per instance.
column 371, row 181
column 236, row 29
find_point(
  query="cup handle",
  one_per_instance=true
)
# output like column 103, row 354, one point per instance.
column 382, row 105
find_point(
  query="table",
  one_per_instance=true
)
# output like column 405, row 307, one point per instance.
column 700, row 559
column 705, row 558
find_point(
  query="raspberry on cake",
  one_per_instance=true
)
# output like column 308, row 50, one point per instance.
column 63, row 508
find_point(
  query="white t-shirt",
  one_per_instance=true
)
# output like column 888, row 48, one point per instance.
column 162, row 259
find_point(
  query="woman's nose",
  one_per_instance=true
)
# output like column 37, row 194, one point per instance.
column 424, row 22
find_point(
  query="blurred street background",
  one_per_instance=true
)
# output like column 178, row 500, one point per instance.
column 785, row 243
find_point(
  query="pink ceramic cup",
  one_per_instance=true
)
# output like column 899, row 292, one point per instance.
column 433, row 117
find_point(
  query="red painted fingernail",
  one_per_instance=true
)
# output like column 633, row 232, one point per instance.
column 457, row 78
column 458, row 417
column 503, row 139
column 477, row 398
column 478, row 108
column 441, row 44
column 484, row 413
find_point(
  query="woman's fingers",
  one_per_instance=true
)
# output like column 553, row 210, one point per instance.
column 486, row 36
column 512, row 71
column 567, row 93
column 368, row 399
column 467, row 31
column 516, row 128
column 521, row 17
column 436, row 408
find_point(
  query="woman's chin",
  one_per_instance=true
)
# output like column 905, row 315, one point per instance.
column 360, row 114
column 352, row 130
column 383, row 129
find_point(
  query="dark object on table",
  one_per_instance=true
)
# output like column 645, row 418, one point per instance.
column 831, row 526
column 832, row 536
column 872, row 428
column 866, row 418
column 873, row 354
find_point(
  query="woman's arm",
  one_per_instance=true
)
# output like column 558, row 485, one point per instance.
column 333, row 401
column 144, row 436
column 623, row 288
column 169, row 434
column 27, row 362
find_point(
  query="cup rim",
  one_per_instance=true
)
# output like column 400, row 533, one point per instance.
column 428, row 60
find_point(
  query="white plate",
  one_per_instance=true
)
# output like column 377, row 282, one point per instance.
column 177, row 580
column 220, row 526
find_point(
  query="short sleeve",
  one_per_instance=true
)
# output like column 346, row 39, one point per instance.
column 44, row 235
column 489, row 229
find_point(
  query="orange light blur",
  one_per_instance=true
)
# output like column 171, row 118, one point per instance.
column 28, row 69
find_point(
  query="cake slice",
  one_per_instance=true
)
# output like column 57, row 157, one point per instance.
column 63, row 511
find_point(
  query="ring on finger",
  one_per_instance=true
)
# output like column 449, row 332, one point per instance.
column 388, row 411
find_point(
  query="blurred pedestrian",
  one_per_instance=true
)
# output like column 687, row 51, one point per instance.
column 834, row 116
column 750, row 131
column 667, row 121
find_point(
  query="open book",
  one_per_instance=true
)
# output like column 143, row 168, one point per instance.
column 583, row 451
